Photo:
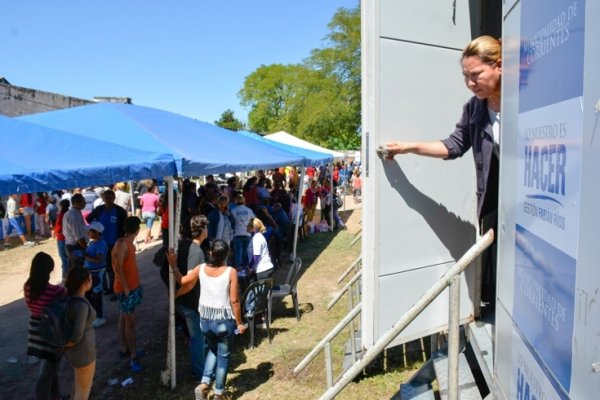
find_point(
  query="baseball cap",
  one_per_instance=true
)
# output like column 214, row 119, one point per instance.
column 96, row 226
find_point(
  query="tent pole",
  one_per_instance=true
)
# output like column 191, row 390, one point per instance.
column 132, row 197
column 298, row 205
column 172, row 243
column 331, row 205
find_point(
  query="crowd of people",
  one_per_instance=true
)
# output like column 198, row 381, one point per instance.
column 231, row 235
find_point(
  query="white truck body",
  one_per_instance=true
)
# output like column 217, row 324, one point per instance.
column 419, row 214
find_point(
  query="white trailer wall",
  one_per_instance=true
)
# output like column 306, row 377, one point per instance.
column 548, row 335
column 419, row 213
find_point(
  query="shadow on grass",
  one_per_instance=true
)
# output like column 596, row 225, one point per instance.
column 250, row 378
column 260, row 336
column 280, row 310
column 407, row 357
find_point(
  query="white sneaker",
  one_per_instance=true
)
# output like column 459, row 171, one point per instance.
column 29, row 244
column 98, row 322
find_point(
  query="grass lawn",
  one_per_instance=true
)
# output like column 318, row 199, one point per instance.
column 265, row 372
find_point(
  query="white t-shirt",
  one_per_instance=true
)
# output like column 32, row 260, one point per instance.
column 258, row 247
column 242, row 216
column 495, row 120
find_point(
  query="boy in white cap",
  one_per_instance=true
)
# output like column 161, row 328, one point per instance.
column 95, row 262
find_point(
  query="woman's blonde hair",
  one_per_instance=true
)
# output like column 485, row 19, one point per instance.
column 488, row 49
column 258, row 225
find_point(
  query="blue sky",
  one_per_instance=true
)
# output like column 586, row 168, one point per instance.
column 188, row 56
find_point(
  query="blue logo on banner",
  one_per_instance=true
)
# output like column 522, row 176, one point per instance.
column 544, row 301
column 551, row 60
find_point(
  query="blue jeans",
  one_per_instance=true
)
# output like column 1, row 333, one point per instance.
column 192, row 320
column 15, row 223
column 240, row 250
column 219, row 340
column 64, row 259
column 47, row 386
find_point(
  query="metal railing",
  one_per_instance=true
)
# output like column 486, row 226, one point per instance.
column 356, row 239
column 354, row 266
column 348, row 287
column 451, row 278
column 325, row 344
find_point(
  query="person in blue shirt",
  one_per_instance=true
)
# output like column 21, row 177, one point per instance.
column 112, row 217
column 281, row 218
column 95, row 263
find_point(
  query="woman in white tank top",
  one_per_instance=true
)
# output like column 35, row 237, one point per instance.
column 220, row 313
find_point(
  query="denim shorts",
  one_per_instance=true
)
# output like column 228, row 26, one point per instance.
column 27, row 211
column 148, row 217
column 127, row 304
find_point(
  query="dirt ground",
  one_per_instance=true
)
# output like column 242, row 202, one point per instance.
column 18, row 372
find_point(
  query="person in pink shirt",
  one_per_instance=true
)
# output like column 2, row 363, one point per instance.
column 40, row 214
column 149, row 204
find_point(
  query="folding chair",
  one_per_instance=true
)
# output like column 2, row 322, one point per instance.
column 289, row 288
column 256, row 301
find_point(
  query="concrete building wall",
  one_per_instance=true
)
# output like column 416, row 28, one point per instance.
column 15, row 100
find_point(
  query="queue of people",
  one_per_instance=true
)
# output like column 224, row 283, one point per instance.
column 235, row 235
column 83, row 288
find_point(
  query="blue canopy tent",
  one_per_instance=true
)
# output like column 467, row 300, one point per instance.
column 199, row 148
column 44, row 159
column 312, row 158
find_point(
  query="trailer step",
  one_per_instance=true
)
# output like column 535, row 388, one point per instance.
column 467, row 388
column 480, row 340
column 416, row 391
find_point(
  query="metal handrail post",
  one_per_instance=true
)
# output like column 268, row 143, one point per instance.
column 329, row 364
column 352, row 328
column 453, row 338
column 484, row 242
column 344, row 290
column 329, row 337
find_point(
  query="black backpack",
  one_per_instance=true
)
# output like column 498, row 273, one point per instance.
column 55, row 326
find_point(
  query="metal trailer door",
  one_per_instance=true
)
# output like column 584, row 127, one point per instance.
column 419, row 213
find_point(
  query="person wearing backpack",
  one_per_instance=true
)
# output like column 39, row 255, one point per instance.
column 80, row 349
column 39, row 293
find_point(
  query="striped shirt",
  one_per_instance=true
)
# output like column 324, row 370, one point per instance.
column 46, row 297
column 36, row 345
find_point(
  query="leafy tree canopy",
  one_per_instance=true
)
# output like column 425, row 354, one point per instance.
column 228, row 121
column 317, row 100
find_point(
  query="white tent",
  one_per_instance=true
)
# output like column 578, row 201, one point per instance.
column 284, row 137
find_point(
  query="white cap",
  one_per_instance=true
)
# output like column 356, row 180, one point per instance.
column 96, row 226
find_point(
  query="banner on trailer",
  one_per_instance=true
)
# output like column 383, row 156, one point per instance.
column 548, row 181
column 529, row 381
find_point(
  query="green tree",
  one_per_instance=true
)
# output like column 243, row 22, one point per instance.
column 229, row 121
column 319, row 99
